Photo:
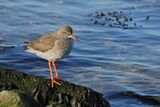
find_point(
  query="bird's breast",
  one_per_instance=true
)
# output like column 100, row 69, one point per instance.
column 65, row 51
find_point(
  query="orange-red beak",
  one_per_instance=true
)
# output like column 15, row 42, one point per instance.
column 73, row 37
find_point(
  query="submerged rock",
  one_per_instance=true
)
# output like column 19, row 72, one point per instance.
column 16, row 98
column 115, row 19
column 151, row 100
column 144, row 98
column 66, row 95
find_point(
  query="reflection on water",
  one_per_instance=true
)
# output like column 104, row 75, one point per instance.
column 107, row 59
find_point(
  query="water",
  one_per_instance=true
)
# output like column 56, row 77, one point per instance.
column 109, row 60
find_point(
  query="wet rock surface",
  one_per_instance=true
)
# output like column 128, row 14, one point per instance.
column 147, row 99
column 66, row 95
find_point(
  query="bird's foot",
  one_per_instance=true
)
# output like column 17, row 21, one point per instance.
column 54, row 81
column 57, row 78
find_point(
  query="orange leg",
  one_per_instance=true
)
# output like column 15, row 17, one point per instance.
column 51, row 75
column 55, row 70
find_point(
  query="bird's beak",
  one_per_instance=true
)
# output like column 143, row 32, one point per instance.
column 73, row 37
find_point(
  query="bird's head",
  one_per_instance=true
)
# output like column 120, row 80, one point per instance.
column 67, row 32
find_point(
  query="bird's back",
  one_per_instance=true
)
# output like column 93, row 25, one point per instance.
column 44, row 43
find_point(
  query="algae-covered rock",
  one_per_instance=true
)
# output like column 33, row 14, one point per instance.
column 66, row 95
column 16, row 98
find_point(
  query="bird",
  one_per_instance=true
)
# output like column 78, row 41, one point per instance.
column 53, row 46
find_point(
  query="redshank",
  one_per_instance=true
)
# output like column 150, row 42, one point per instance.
column 53, row 46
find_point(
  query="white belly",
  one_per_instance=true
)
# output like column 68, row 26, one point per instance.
column 51, row 55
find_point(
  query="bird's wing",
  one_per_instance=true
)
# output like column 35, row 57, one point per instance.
column 44, row 43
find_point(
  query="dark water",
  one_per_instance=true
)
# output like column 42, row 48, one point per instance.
column 108, row 60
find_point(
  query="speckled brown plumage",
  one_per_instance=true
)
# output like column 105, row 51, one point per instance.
column 44, row 43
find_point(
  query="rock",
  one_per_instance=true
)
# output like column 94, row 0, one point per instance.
column 99, row 14
column 144, row 98
column 152, row 100
column 16, row 98
column 66, row 95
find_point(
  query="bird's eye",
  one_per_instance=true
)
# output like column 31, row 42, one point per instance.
column 68, row 33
